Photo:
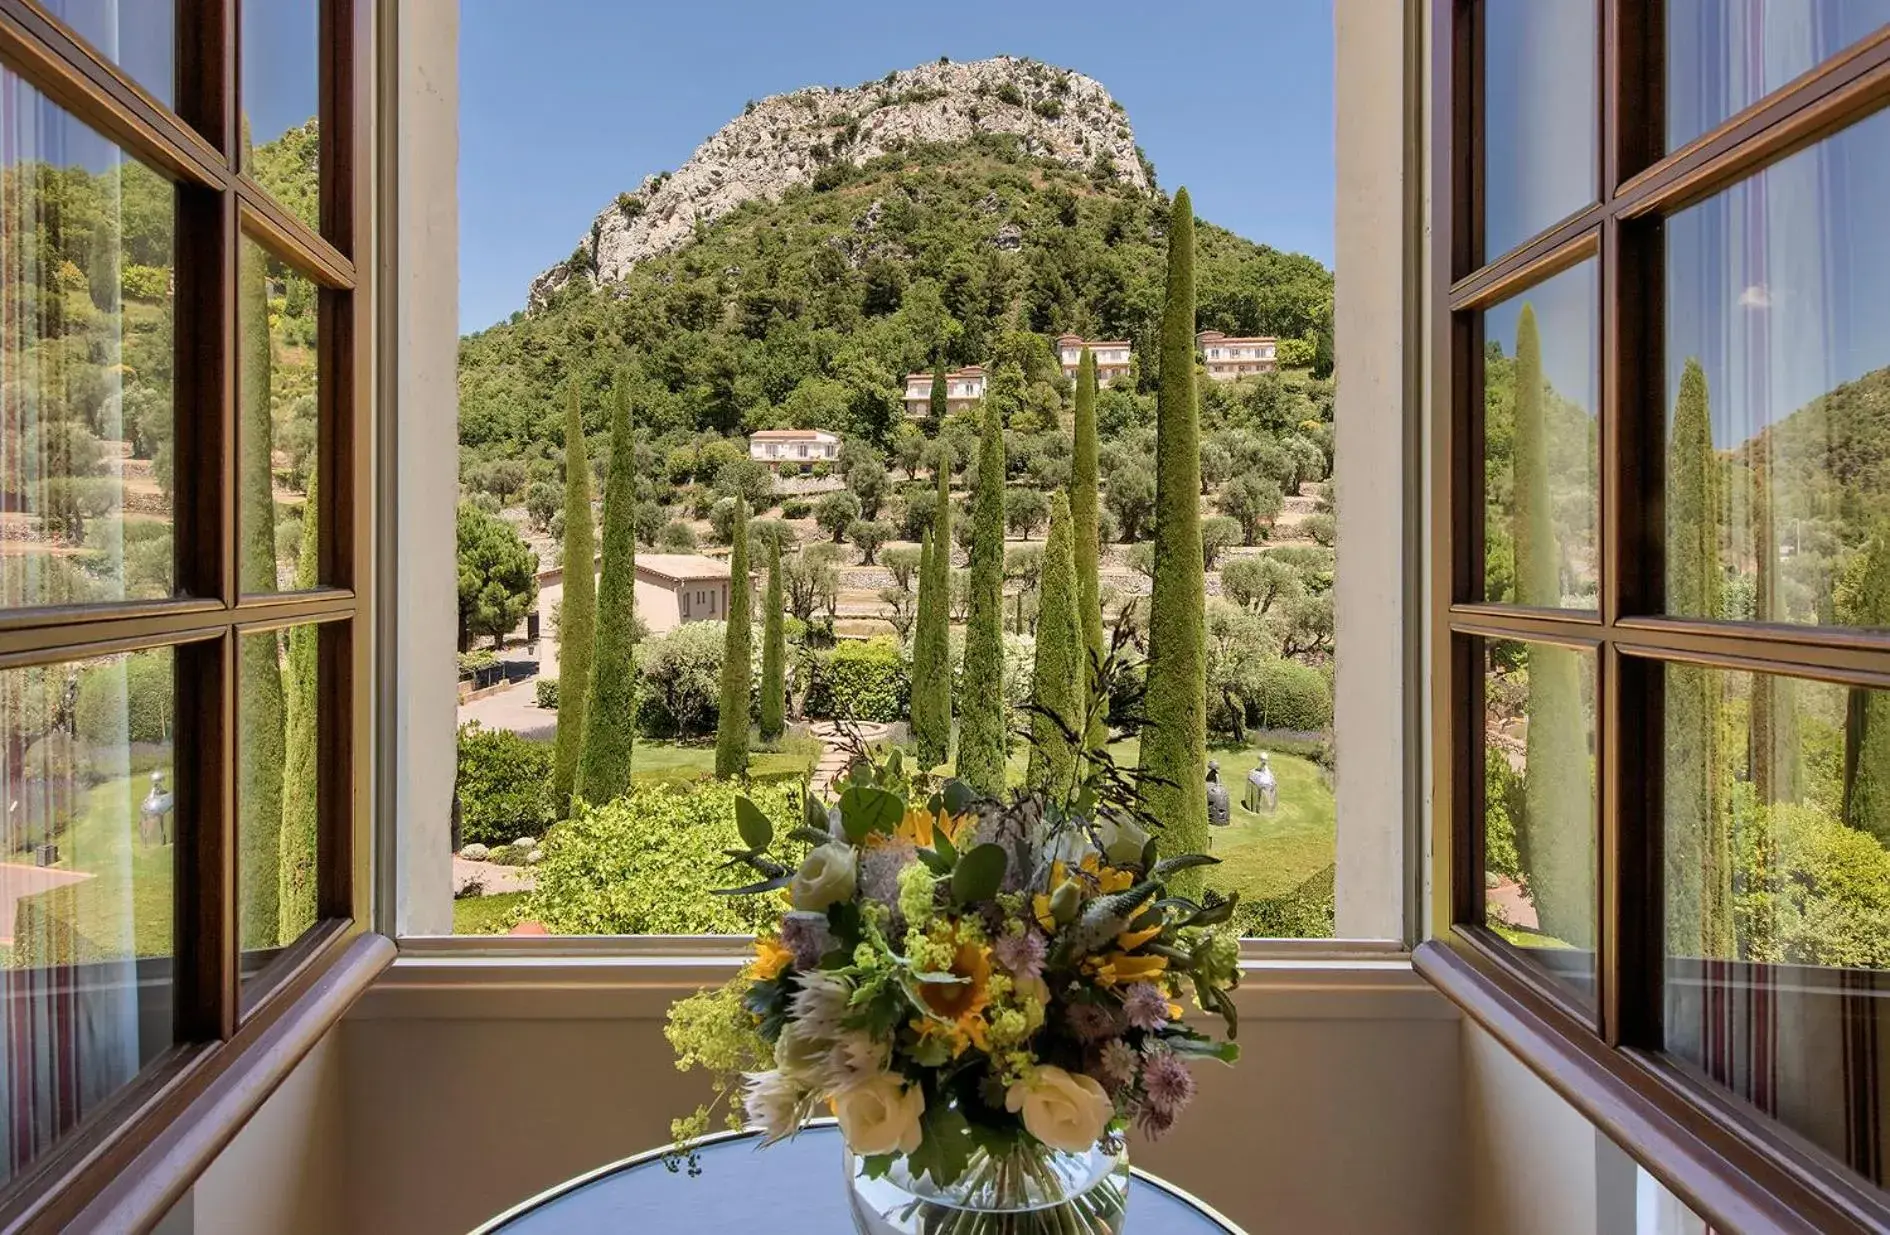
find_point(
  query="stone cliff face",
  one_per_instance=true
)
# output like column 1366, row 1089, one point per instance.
column 786, row 139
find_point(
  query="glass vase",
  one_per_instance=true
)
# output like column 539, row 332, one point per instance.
column 1030, row 1189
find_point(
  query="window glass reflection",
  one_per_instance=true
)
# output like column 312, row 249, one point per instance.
column 281, row 70
column 139, row 36
column 87, row 293
column 1778, row 391
column 1539, row 117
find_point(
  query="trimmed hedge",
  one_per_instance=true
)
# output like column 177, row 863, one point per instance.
column 1290, row 695
column 545, row 693
column 504, row 786
column 133, row 699
column 648, row 863
column 1307, row 912
column 869, row 681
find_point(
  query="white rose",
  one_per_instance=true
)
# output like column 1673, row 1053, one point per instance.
column 880, row 1115
column 1065, row 1112
column 826, row 878
column 1122, row 840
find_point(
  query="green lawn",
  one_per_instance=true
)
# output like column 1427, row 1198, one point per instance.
column 670, row 761
column 487, row 915
column 126, row 907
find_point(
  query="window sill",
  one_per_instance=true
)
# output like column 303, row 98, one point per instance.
column 639, row 978
column 1727, row 1172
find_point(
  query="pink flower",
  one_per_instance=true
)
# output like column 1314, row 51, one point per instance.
column 1021, row 955
column 1145, row 1006
column 1117, row 1062
column 1091, row 1022
column 1167, row 1083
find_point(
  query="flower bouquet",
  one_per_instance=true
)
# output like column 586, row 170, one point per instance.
column 986, row 995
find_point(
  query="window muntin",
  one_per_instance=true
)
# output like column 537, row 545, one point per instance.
column 1777, row 352
column 1541, row 379
column 1722, row 58
column 278, row 429
column 281, row 93
column 86, row 355
column 1538, row 106
column 86, row 886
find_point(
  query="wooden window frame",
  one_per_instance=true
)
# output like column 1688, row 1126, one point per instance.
column 1739, row 1171
column 139, row 1152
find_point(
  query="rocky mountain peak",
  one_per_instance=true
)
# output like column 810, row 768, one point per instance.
column 786, row 139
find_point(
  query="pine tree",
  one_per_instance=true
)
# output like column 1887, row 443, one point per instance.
column 1173, row 766
column 610, row 710
column 1059, row 685
column 259, row 675
column 731, row 725
column 1772, row 735
column 931, row 641
column 938, row 407
column 1697, row 870
column 982, row 741
column 1867, row 712
column 296, row 892
column 1556, row 838
column 1086, row 538
column 773, row 651
column 577, row 616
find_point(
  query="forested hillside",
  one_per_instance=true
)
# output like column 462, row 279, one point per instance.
column 808, row 312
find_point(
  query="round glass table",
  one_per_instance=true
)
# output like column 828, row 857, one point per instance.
column 794, row 1187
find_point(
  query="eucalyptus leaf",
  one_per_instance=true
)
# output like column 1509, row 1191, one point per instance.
column 935, row 862
column 757, row 832
column 865, row 810
column 959, row 797
column 979, row 873
column 942, row 844
column 1181, row 862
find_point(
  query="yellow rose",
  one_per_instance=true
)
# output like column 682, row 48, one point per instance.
column 880, row 1115
column 1065, row 1112
column 827, row 876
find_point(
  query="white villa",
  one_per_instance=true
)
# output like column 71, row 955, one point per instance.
column 1112, row 357
column 963, row 389
column 1228, row 357
column 777, row 446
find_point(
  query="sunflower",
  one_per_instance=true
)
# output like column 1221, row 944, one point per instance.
column 957, row 1008
column 1118, row 969
column 771, row 957
column 920, row 826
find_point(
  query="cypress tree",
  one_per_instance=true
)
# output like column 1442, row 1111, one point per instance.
column 1058, row 684
column 1697, row 871
column 938, row 407
column 773, row 651
column 610, row 710
column 577, row 618
column 931, row 644
column 1771, row 737
column 731, row 724
column 295, row 892
column 1086, row 539
column 982, row 741
column 1556, row 839
column 1867, row 711
column 1174, row 732
column 259, row 675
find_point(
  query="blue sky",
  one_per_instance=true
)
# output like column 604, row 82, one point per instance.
column 565, row 103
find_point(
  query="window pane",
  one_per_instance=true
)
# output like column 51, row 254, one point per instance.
column 1539, row 117
column 1721, row 57
column 1776, row 817
column 1778, row 375
column 276, row 325
column 276, row 805
column 86, row 348
column 281, row 102
column 1539, row 804
column 1541, row 372
column 139, row 36
column 85, row 889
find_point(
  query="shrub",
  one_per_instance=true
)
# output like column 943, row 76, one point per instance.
column 1290, row 695
column 676, row 537
column 861, row 681
column 129, row 700
column 648, row 863
column 681, row 681
column 797, row 508
column 545, row 693
column 1322, row 528
column 504, row 785
column 1307, row 912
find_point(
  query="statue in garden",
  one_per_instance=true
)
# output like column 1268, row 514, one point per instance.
column 1263, row 794
column 154, row 813
column 1217, row 806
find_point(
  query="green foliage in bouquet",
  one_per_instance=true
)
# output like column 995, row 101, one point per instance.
column 960, row 977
